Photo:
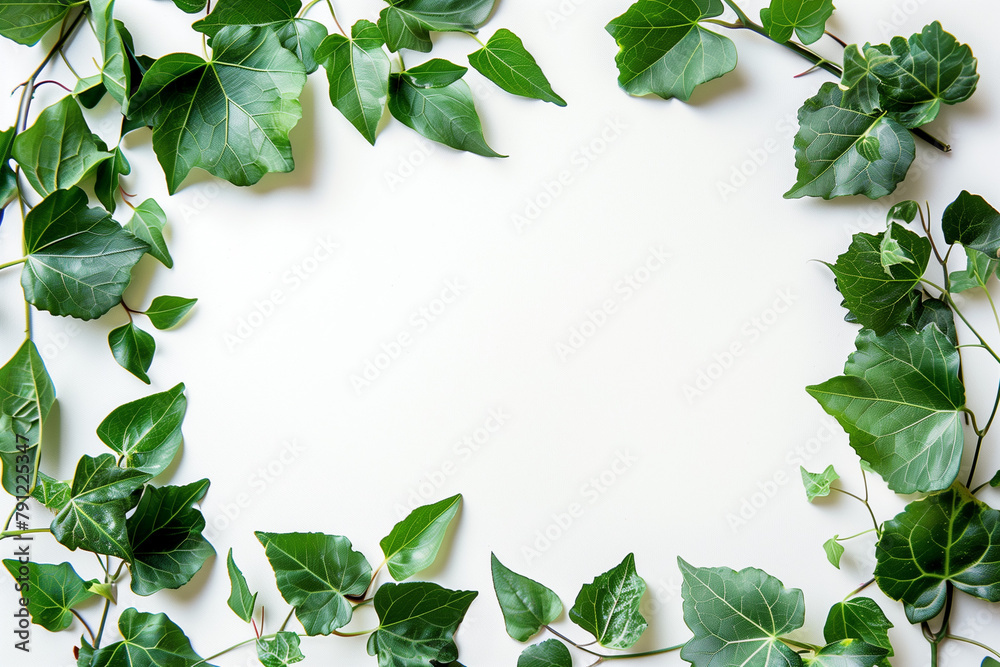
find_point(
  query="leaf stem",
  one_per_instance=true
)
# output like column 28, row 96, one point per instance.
column 309, row 6
column 224, row 651
column 878, row 531
column 860, row 588
column 281, row 628
column 104, row 620
column 15, row 533
column 604, row 656
column 792, row 642
column 329, row 3
column 475, row 37
column 973, row 642
column 11, row 263
column 851, row 537
column 982, row 435
column 85, row 624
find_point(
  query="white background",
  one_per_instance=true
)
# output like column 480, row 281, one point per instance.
column 712, row 478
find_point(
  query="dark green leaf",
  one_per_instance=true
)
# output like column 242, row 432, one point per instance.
column 608, row 608
column 526, row 604
column 549, row 653
column 148, row 640
column 834, row 551
column 664, row 50
column 52, row 493
column 904, row 212
column 848, row 653
column 86, row 655
column 435, row 73
column 116, row 72
column 90, row 91
column 108, row 179
column 315, row 573
column 859, row 81
column 279, row 651
column 27, row 21
column 302, row 37
column 806, row 17
column 190, row 6
column 166, row 312
column 26, row 390
column 147, row 225
column 241, row 601
column 505, row 62
column 979, row 268
column 989, row 662
column 971, row 221
column 8, row 183
column 818, row 484
column 891, row 253
column 146, row 433
column 858, row 618
column 938, row 313
column 407, row 24
column 133, row 349
column 995, row 481
column 413, row 543
column 51, row 591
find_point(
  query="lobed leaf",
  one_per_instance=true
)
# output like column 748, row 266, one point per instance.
column 608, row 608
column 818, row 484
column 148, row 640
column 807, row 18
column 859, row 618
column 51, row 592
column 279, row 651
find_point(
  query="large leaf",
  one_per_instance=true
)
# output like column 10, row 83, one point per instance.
column 608, row 608
column 806, row 17
column 315, row 573
column 51, row 591
column 58, row 150
column 279, row 651
column 948, row 538
column 133, row 349
column 413, row 543
column 549, row 653
column 230, row 115
column 241, row 600
column 27, row 21
column 971, row 221
column 738, row 617
column 527, row 605
column 148, row 640
column 358, row 72
column 844, row 151
column 900, row 400
column 79, row 259
column 504, row 61
column 165, row 533
column 417, row 624
column 147, row 224
column 858, row 618
column 665, row 51
column 146, row 433
column 847, row 653
column 116, row 72
column 407, row 24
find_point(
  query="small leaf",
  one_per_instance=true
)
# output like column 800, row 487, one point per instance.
column 147, row 224
column 90, row 91
column 891, row 253
column 995, row 481
column 858, row 618
column 413, row 543
column 549, row 653
column 608, row 608
column 834, row 551
column 146, row 433
column 859, row 81
column 166, row 312
column 51, row 591
column 52, row 493
column 904, row 212
column 133, row 349
column 505, row 62
column 526, row 604
column 116, row 72
column 847, row 653
column 806, row 17
column 106, row 591
column 27, row 22
column 435, row 73
column 241, row 601
column 280, row 651
column 979, row 268
column 107, row 179
column 149, row 640
column 818, row 484
column 8, row 182
column 971, row 221
column 407, row 24
column 190, row 6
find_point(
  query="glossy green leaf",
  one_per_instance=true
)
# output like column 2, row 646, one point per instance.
column 738, row 617
column 608, row 608
column 858, row 618
column 947, row 538
column 818, row 484
column 18, row 454
column 8, row 183
column 526, row 604
column 446, row 115
column 27, row 21
column 900, row 400
column 52, row 493
column 241, row 600
column 148, row 640
column 549, row 653
column 90, row 91
column 828, row 149
column 94, row 517
column 407, row 24
column 859, row 81
column 107, row 179
column 665, row 51
column 435, row 73
column 229, row 116
column 190, row 6
column 807, row 18
column 315, row 573
column 834, row 551
column 938, row 313
column 505, row 62
column 847, row 653
column 979, row 269
column 147, row 225
column 79, row 259
column 903, row 212
column 133, row 349
column 146, row 433
column 280, row 650
column 58, row 150
column 358, row 72
column 971, row 221
column 26, row 390
column 166, row 312
column 413, row 543
column 116, row 72
column 417, row 624
column 86, row 654
column 51, row 592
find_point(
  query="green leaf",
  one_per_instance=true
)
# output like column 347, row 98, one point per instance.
column 358, row 72
column 146, row 433
column 995, row 481
column 834, row 551
column 417, row 624
column 90, row 91
column 279, row 651
column 241, row 601
column 58, row 150
column 407, row 24
column 52, row 493
column 133, row 349
column 116, row 72
column 947, row 538
column 86, row 655
column 413, row 543
column 166, row 312
column 848, row 653
column 190, row 6
column 835, row 153
column 608, row 608
column 971, row 221
column 148, row 640
column 147, row 224
column 8, row 183
column 979, row 269
column 806, row 17
column 165, row 533
column 891, row 253
column 51, row 591
column 549, row 653
column 989, row 662
column 435, row 73
column 505, row 62
column 107, row 179
column 664, row 50
column 903, row 212
column 938, row 313
column 446, row 115
column 79, row 259
column 818, row 484
column 738, row 617
column 315, row 573
column 858, row 618
column 94, row 517
column 26, row 390
column 859, row 81
column 27, row 21
column 229, row 116
column 900, row 400
column 526, row 604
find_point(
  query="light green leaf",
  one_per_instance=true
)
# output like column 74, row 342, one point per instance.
column 979, row 269
column 847, row 653
column 413, row 543
column 834, row 551
column 166, row 312
column 26, row 390
column 806, row 17
column 665, row 51
column 608, row 608
column 818, row 484
column 27, row 21
column 241, row 601
column 107, row 179
column 971, row 221
column 526, row 604
column 435, row 73
column 505, row 62
column 148, row 640
column 146, row 433
column 891, row 253
column 859, row 618
column 407, row 24
column 51, row 592
column 133, row 349
column 116, row 72
column 147, row 224
column 859, row 81
column 549, row 653
column 280, row 651
column 52, row 493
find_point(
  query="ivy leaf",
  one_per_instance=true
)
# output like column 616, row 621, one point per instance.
column 900, row 400
column 166, row 312
column 848, row 653
column 165, row 533
column 891, row 253
column 358, row 72
column 79, row 259
column 834, row 551
column 979, row 269
column 94, row 517
column 738, row 617
column 146, row 433
column 27, row 22
column 89, row 91
column 133, row 349
column 230, row 115
column 116, row 72
column 108, row 178
column 859, row 81
column 147, row 225
column 241, row 601
column 843, row 151
column 413, row 543
column 58, row 150
column 608, row 608
column 148, row 640
column 938, row 313
column 26, row 390
column 505, row 62
column 806, row 17
column 407, row 24
column 315, row 573
column 947, row 538
column 526, row 604
column 818, row 484
column 52, row 493
column 446, row 115
column 664, row 50
column 435, row 73
column 280, row 651
column 858, row 618
column 190, row 6
column 417, row 624
column 51, row 592
column 8, row 182
column 549, row 653
column 971, row 221
column 903, row 212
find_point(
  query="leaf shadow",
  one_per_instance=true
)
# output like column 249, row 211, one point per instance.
column 717, row 89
